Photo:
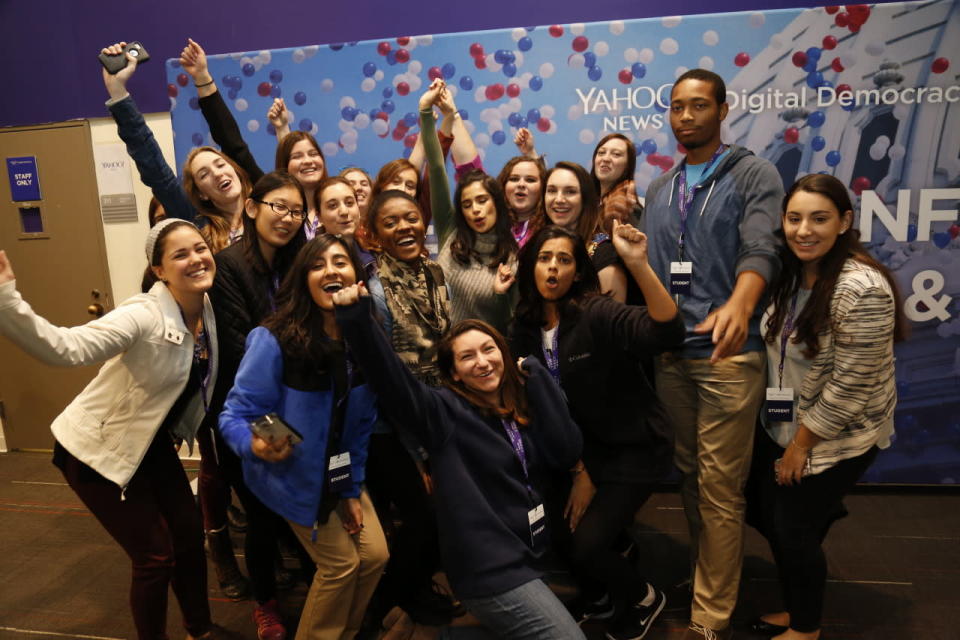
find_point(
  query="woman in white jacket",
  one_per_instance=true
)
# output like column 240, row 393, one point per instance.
column 115, row 442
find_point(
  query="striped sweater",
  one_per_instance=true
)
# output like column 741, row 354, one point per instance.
column 849, row 393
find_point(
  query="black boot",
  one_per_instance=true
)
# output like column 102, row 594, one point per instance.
column 233, row 584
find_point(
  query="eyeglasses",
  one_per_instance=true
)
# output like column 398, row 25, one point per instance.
column 281, row 210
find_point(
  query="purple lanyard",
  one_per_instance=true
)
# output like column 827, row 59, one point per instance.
column 520, row 231
column 685, row 197
column 552, row 356
column 516, row 441
column 785, row 335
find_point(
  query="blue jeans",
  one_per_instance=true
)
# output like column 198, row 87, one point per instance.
column 528, row 612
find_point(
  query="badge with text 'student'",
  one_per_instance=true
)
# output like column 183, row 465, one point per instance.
column 339, row 473
column 779, row 405
column 681, row 275
column 538, row 528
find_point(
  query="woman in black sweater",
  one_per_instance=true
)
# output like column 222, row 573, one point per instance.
column 492, row 435
column 592, row 345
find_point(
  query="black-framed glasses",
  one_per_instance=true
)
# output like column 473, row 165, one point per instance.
column 281, row 210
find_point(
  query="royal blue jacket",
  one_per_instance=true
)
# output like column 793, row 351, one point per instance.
column 266, row 383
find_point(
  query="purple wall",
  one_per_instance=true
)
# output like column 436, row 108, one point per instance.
column 51, row 45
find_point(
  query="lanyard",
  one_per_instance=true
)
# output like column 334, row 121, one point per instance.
column 785, row 335
column 685, row 196
column 272, row 291
column 520, row 230
column 201, row 345
column 516, row 441
column 552, row 356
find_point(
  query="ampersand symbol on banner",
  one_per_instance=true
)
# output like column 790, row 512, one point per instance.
column 927, row 295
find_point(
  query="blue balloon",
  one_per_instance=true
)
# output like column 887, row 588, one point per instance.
column 511, row 56
column 248, row 69
column 813, row 53
column 348, row 113
column 387, row 106
column 306, row 124
column 227, row 81
column 595, row 73
column 816, row 119
column 941, row 239
column 524, row 122
column 589, row 59
column 374, row 112
column 848, row 107
column 466, row 83
column 533, row 115
column 449, row 70
column 197, row 139
column 300, row 98
column 810, row 66
column 659, row 107
column 833, row 158
column 336, row 46
column 648, row 146
column 387, row 93
column 194, row 103
column 814, row 78
column 502, row 56
column 275, row 91
column 514, row 119
column 498, row 137
column 509, row 69
column 232, row 94
column 410, row 119
column 237, row 82
column 392, row 57
column 638, row 69
column 529, row 29
column 369, row 69
column 818, row 143
column 525, row 43
column 911, row 232
column 276, row 76
column 825, row 83
column 536, row 83
column 464, row 114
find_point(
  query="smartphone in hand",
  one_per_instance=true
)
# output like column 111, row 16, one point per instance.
column 114, row 63
column 272, row 428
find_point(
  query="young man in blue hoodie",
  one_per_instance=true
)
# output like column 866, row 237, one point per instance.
column 712, row 223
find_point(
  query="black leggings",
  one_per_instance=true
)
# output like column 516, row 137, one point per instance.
column 795, row 520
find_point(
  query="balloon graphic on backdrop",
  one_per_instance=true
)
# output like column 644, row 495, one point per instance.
column 859, row 185
column 742, row 59
column 833, row 158
column 791, row 135
column 816, row 119
column 940, row 65
column 580, row 44
column 818, row 143
column 263, row 89
column 799, row 59
column 300, row 98
column 536, row 83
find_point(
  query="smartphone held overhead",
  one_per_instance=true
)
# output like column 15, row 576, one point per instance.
column 114, row 63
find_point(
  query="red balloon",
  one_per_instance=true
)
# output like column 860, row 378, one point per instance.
column 543, row 124
column 791, row 135
column 799, row 58
column 842, row 20
column 626, row 76
column 666, row 163
column 843, row 88
column 494, row 91
column 860, row 185
column 382, row 115
column 829, row 42
column 264, row 89
column 403, row 56
column 580, row 44
column 854, row 27
column 940, row 65
column 434, row 72
column 653, row 159
column 513, row 90
column 741, row 59
column 403, row 41
column 954, row 230
column 402, row 88
column 556, row 30
column 182, row 80
column 410, row 141
column 480, row 62
column 476, row 49
column 172, row 90
column 398, row 133
column 832, row 9
column 402, row 126
column 836, row 65
column 384, row 48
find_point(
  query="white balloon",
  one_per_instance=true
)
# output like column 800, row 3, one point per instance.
column 314, row 129
column 488, row 114
column 410, row 46
column 311, row 50
column 379, row 127
column 253, row 126
column 679, row 71
column 757, row 20
column 587, row 136
column 514, row 104
column 901, row 111
column 877, row 152
column 875, row 48
column 661, row 139
column 576, row 60
column 265, row 56
column 345, row 125
column 601, row 48
column 299, row 56
column 480, row 93
column 518, row 59
column 482, row 140
column 331, row 148
column 326, row 85
column 848, row 60
column 711, row 38
column 469, row 126
column 575, row 112
column 368, row 84
column 453, row 90
column 671, row 21
column 350, row 148
column 776, row 41
column 492, row 64
column 523, row 81
column 415, row 66
column 706, row 62
column 241, row 104
column 546, row 70
column 494, row 125
column 553, row 128
column 669, row 46
column 547, row 111
column 646, row 56
column 505, row 110
column 425, row 41
column 616, row 27
column 349, row 136
column 378, row 76
column 347, row 101
column 631, row 55
column 577, row 28
column 415, row 83
column 897, row 151
column 518, row 33
column 362, row 121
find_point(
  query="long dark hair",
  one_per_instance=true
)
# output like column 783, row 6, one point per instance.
column 462, row 246
column 589, row 221
column 285, row 148
column 815, row 318
column 512, row 393
column 251, row 247
column 628, row 171
column 298, row 321
column 585, row 283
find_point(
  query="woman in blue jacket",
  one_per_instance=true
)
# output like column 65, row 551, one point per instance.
column 296, row 365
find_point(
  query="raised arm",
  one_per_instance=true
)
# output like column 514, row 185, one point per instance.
column 524, row 142
column 631, row 245
column 442, row 208
column 279, row 117
column 223, row 126
column 141, row 144
column 463, row 149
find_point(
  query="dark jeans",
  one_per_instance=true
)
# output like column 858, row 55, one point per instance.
column 157, row 523
column 213, row 487
column 393, row 479
column 592, row 552
column 795, row 520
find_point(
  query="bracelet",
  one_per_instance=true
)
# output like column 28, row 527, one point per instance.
column 205, row 84
column 794, row 444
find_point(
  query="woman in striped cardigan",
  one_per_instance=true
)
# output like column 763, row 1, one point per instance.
column 834, row 316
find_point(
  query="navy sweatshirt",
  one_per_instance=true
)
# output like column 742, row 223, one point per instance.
column 481, row 494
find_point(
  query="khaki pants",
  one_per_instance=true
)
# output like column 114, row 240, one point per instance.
column 348, row 569
column 714, row 410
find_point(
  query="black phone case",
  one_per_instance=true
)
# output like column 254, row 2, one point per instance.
column 115, row 63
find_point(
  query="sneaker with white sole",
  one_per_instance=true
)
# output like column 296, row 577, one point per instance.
column 636, row 622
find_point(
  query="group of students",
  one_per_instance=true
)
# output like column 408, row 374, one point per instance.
column 518, row 398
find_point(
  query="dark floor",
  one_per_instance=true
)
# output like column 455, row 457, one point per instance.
column 894, row 566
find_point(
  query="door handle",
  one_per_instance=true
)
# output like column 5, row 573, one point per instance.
column 95, row 309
